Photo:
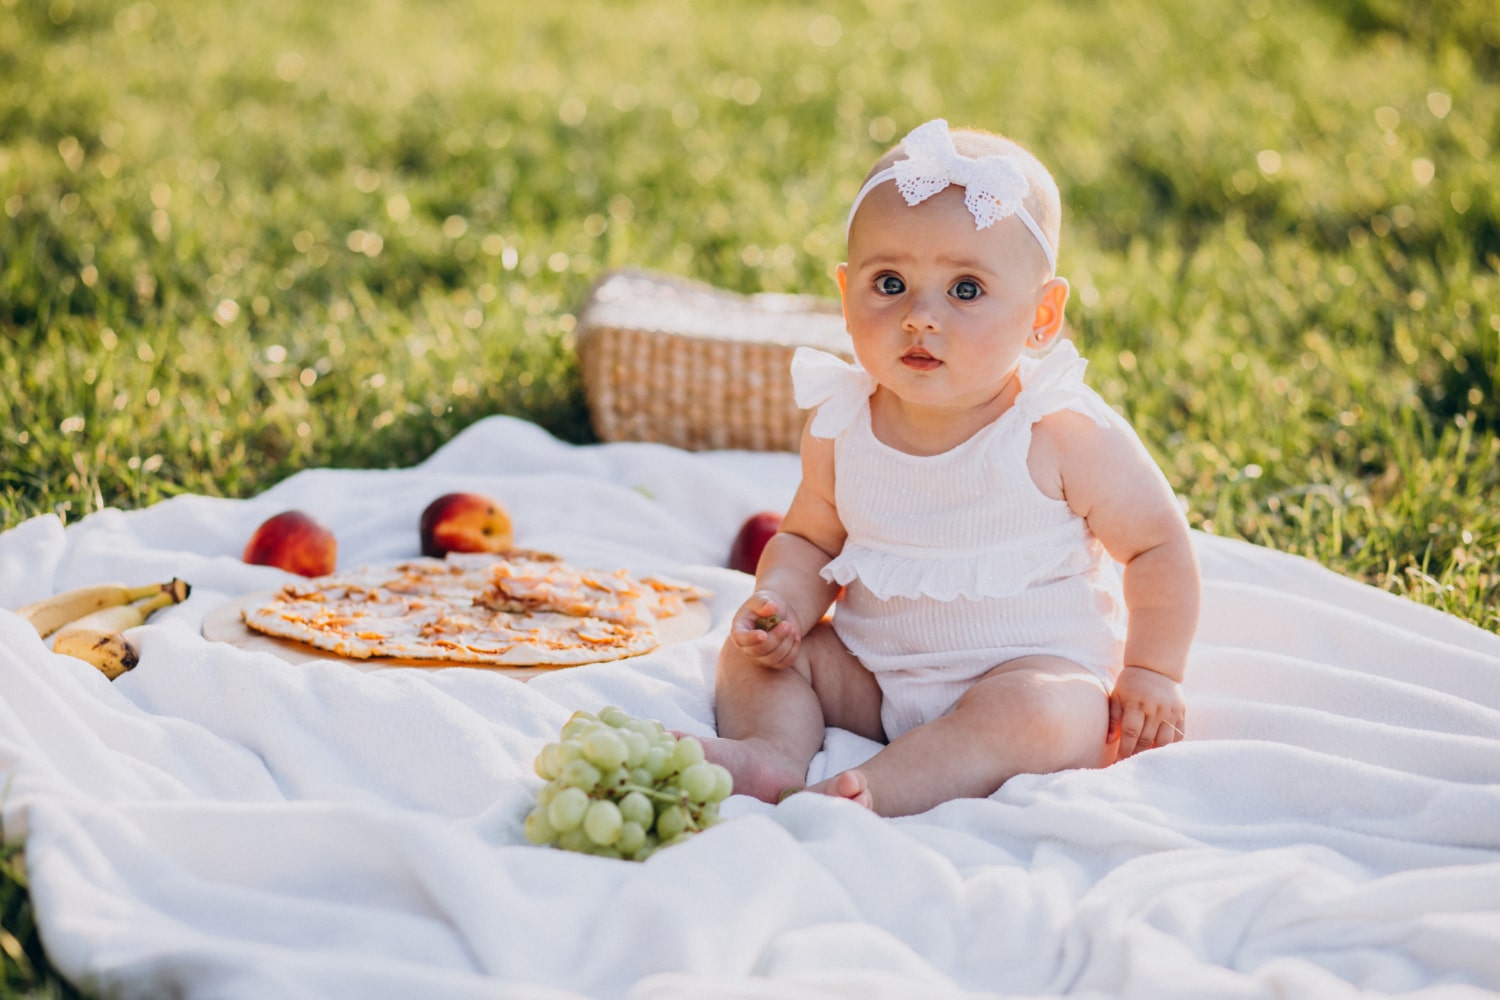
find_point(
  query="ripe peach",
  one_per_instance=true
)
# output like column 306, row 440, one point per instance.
column 293, row 541
column 465, row 522
column 757, row 530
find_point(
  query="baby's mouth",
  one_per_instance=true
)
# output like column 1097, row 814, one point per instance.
column 917, row 359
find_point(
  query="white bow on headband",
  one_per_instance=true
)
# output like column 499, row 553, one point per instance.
column 994, row 186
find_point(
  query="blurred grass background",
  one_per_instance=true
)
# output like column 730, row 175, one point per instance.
column 241, row 240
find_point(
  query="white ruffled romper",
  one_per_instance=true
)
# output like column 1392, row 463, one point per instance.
column 957, row 562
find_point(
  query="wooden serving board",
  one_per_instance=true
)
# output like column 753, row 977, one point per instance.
column 225, row 624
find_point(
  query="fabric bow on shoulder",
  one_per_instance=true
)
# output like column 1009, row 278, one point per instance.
column 835, row 387
column 1054, row 382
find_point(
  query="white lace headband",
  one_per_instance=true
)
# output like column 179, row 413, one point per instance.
column 994, row 186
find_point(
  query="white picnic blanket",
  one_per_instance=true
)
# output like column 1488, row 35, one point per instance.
column 220, row 823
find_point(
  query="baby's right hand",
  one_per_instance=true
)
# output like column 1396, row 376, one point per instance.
column 766, row 631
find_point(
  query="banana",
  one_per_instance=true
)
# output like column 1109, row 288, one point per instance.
column 109, row 651
column 98, row 637
column 52, row 613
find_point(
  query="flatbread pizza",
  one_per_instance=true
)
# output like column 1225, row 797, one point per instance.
column 517, row 609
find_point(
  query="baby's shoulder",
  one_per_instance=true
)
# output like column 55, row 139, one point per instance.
column 1061, row 441
column 1071, row 432
column 817, row 453
column 1074, row 438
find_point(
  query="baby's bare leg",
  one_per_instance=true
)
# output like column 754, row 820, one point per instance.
column 771, row 722
column 1034, row 715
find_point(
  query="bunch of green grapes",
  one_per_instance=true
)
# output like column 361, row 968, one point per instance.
column 621, row 787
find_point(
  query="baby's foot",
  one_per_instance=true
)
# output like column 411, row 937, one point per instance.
column 758, row 769
column 851, row 785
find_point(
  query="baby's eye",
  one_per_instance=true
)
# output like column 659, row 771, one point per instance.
column 889, row 284
column 966, row 289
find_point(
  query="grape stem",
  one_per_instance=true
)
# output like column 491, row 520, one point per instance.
column 678, row 799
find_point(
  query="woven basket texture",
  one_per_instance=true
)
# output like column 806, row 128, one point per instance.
column 679, row 362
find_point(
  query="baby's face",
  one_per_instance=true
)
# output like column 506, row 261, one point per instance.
column 938, row 310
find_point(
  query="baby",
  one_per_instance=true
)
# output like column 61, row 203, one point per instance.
column 1016, row 588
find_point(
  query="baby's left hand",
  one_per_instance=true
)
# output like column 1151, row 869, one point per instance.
column 1146, row 709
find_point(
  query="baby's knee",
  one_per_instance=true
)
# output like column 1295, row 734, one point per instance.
column 1071, row 725
column 1060, row 719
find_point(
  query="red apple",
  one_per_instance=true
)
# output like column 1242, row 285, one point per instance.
column 465, row 522
column 295, row 542
column 757, row 530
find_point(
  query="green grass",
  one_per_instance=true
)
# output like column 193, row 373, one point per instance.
column 24, row 969
column 241, row 240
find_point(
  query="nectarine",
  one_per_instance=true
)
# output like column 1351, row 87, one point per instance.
column 757, row 530
column 293, row 541
column 465, row 522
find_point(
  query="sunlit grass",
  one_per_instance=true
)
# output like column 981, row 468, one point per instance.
column 242, row 240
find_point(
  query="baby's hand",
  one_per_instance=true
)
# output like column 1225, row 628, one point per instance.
column 1146, row 709
column 766, row 631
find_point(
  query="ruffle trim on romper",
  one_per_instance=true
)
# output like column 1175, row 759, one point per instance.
column 1051, row 383
column 972, row 575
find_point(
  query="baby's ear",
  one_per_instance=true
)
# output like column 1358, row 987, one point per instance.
column 1048, row 322
column 842, row 274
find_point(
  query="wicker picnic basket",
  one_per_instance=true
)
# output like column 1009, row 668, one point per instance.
column 679, row 362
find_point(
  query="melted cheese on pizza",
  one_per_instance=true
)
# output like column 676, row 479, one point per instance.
column 528, row 608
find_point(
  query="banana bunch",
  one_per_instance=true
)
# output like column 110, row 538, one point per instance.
column 90, row 622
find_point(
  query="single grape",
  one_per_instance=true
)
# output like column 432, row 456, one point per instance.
column 538, row 830
column 686, row 753
column 699, row 781
column 575, row 840
column 580, row 774
column 602, row 822
column 578, row 724
column 724, row 783
column 604, row 748
column 613, row 715
column 636, row 746
column 545, row 762
column 670, row 822
column 567, row 808
column 658, row 762
column 636, row 808
column 631, row 839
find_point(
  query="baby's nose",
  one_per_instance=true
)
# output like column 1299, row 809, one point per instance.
column 922, row 315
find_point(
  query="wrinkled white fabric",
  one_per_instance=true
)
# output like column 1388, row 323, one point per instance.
column 219, row 823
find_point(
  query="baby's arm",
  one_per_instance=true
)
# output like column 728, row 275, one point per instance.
column 787, row 584
column 1108, row 478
